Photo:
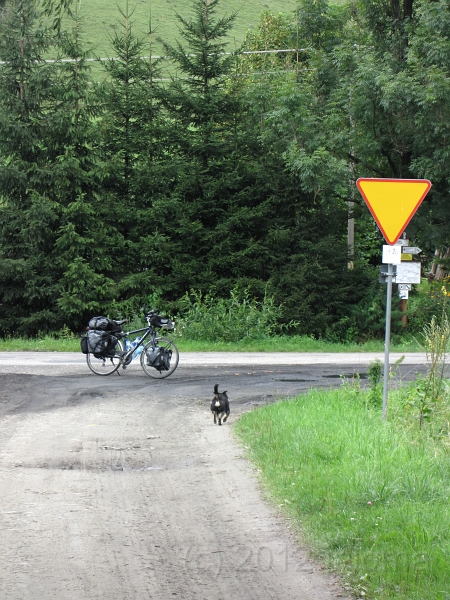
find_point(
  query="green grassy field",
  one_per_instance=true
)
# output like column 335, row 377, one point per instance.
column 369, row 497
column 102, row 18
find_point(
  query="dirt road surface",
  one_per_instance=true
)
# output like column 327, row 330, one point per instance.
column 119, row 488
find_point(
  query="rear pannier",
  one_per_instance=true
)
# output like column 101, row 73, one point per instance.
column 84, row 344
column 98, row 341
column 101, row 340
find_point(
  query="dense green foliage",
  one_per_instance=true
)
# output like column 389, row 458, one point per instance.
column 237, row 171
column 231, row 319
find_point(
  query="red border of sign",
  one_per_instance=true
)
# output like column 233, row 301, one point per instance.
column 391, row 243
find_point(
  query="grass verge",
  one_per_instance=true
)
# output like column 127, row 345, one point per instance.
column 42, row 344
column 274, row 344
column 371, row 498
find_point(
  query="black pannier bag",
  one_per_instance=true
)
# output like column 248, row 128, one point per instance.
column 101, row 340
column 164, row 322
column 159, row 358
column 84, row 344
column 115, row 327
column 111, row 349
column 101, row 324
column 98, row 341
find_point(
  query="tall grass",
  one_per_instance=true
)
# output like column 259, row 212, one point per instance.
column 372, row 498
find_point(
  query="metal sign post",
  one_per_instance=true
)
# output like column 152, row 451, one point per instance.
column 387, row 338
column 391, row 256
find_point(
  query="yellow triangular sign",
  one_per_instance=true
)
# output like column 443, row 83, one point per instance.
column 393, row 202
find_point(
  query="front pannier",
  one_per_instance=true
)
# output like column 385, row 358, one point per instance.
column 159, row 358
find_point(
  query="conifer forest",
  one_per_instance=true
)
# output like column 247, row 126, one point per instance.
column 213, row 168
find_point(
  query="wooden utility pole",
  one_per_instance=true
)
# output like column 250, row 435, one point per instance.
column 351, row 235
column 403, row 304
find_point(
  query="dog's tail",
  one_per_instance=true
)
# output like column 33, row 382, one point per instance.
column 216, row 388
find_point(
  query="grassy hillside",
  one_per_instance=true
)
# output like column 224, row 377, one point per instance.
column 102, row 18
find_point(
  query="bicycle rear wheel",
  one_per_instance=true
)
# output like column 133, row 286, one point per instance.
column 153, row 372
column 106, row 365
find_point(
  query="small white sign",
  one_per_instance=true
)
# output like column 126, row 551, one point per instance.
column 405, row 287
column 408, row 272
column 403, row 294
column 402, row 242
column 392, row 255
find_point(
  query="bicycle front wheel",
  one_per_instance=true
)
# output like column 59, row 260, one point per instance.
column 108, row 364
column 165, row 367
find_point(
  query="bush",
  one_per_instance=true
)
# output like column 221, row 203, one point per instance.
column 232, row 319
column 366, row 319
column 431, row 300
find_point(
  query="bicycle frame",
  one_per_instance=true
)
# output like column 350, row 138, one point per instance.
column 149, row 332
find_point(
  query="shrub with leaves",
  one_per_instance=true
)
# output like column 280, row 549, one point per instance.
column 431, row 300
column 230, row 319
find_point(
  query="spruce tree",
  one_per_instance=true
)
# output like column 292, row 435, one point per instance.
column 136, row 163
column 57, row 234
column 27, row 213
column 131, row 107
column 88, row 240
column 197, row 97
column 200, row 141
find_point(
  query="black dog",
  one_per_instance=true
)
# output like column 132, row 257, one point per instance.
column 220, row 405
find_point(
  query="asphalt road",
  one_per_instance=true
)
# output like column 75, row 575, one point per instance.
column 249, row 377
column 121, row 487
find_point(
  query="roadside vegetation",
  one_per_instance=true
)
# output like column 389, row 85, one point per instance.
column 276, row 344
column 239, row 323
column 370, row 498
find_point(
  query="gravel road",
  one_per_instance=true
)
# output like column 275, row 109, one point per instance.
column 122, row 487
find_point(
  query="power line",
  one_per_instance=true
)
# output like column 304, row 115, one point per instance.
column 165, row 57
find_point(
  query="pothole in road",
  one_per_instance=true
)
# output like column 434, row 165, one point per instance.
column 117, row 464
column 290, row 379
column 101, row 468
column 81, row 395
column 347, row 376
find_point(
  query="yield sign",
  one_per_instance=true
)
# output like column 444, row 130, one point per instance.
column 393, row 202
